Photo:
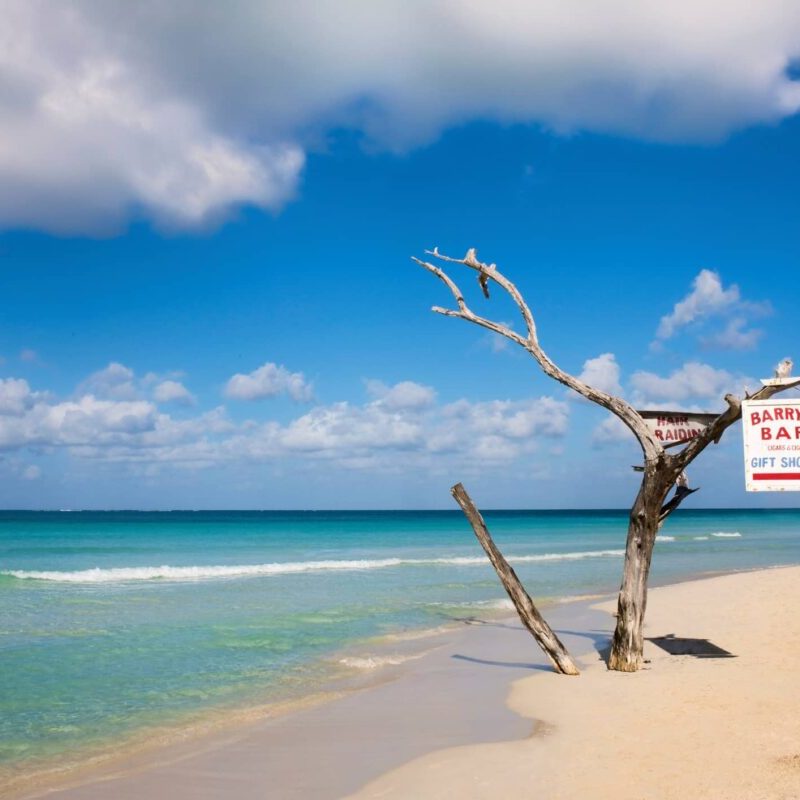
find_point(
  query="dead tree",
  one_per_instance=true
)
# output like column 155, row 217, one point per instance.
column 661, row 469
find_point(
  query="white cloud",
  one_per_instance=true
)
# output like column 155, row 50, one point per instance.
column 346, row 429
column 602, row 373
column 706, row 298
column 405, row 394
column 734, row 336
column 188, row 110
column 87, row 421
column 612, row 430
column 15, row 396
column 114, row 382
column 693, row 381
column 709, row 300
column 511, row 419
column 269, row 380
column 173, row 392
column 403, row 427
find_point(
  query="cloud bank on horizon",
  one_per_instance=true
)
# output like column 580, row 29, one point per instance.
column 180, row 113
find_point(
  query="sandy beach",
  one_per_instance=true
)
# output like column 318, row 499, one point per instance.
column 481, row 715
column 726, row 727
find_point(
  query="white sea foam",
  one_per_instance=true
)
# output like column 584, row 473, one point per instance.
column 665, row 538
column 726, row 535
column 700, row 538
column 376, row 662
column 502, row 604
column 125, row 574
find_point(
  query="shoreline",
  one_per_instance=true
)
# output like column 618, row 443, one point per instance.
column 472, row 640
column 426, row 675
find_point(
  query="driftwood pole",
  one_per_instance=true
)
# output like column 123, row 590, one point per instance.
column 661, row 469
column 528, row 613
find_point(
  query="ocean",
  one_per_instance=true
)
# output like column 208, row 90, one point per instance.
column 114, row 625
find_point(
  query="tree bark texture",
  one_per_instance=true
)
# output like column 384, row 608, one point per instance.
column 528, row 613
column 627, row 645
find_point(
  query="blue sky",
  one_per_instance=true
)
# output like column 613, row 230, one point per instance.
column 207, row 293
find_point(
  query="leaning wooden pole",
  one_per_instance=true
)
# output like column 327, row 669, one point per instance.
column 528, row 613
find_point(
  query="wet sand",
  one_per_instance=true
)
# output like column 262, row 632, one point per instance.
column 454, row 695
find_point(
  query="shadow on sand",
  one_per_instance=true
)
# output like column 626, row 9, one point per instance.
column 512, row 664
column 699, row 648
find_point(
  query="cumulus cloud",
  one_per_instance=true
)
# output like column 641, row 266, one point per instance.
column 269, row 380
column 87, row 421
column 601, row 373
column 403, row 424
column 115, row 382
column 612, row 430
column 381, row 435
column 187, row 110
column 693, row 381
column 15, row 396
column 405, row 394
column 708, row 299
column 734, row 336
column 173, row 392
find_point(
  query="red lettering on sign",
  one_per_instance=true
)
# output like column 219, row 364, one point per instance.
column 766, row 434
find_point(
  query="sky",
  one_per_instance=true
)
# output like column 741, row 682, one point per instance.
column 208, row 214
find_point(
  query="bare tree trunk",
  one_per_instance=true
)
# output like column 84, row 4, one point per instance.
column 627, row 646
column 528, row 613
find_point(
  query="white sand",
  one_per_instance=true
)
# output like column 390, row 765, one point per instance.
column 684, row 727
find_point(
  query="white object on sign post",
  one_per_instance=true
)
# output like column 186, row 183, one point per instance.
column 771, row 430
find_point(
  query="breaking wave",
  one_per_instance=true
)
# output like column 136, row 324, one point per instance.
column 126, row 574
column 726, row 535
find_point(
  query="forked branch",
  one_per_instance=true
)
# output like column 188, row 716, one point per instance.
column 651, row 447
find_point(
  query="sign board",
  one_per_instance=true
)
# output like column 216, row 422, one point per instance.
column 771, row 431
column 676, row 427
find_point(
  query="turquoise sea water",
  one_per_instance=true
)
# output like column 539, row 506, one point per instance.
column 112, row 623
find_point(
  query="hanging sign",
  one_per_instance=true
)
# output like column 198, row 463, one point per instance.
column 675, row 427
column 771, row 430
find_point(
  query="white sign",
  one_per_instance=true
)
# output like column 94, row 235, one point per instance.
column 771, row 431
column 674, row 427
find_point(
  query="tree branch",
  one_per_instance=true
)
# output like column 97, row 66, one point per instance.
column 713, row 432
column 528, row 613
column 651, row 447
